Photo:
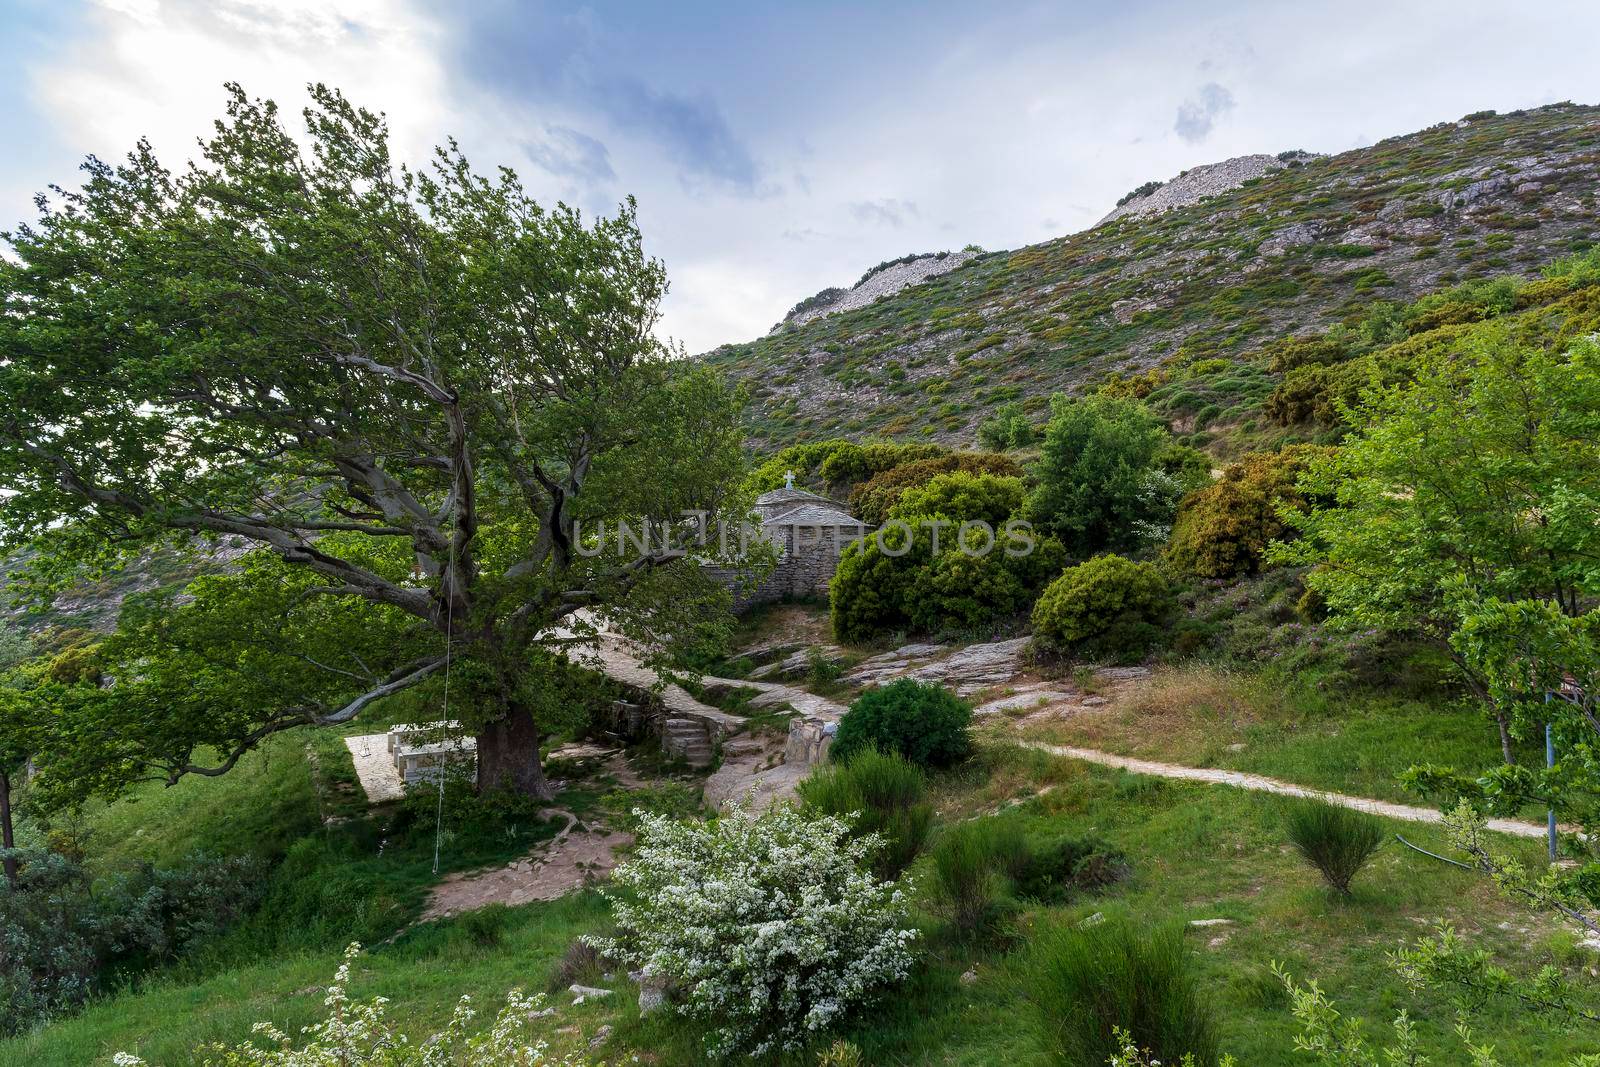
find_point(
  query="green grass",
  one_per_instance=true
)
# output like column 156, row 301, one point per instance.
column 424, row 973
column 1196, row 852
column 1356, row 743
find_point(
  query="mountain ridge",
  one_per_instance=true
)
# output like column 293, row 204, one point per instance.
column 1297, row 248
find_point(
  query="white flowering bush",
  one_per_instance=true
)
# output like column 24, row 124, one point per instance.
column 771, row 927
column 357, row 1034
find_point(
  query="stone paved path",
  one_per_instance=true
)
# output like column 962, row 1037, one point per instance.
column 1262, row 784
column 375, row 768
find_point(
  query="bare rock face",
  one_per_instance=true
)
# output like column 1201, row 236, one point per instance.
column 880, row 283
column 966, row 671
column 1194, row 185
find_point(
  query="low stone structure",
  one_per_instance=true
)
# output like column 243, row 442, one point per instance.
column 808, row 532
column 422, row 751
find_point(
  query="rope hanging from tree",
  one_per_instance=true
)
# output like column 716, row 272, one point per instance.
column 438, row 771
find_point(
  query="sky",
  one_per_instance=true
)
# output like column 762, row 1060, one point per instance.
column 777, row 148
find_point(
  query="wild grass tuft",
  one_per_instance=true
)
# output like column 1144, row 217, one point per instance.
column 1336, row 841
column 888, row 795
column 1088, row 982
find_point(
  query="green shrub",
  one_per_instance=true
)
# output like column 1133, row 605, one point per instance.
column 1054, row 873
column 1089, row 982
column 60, row 938
column 888, row 796
column 957, row 591
column 1335, row 840
column 1007, row 428
column 872, row 499
column 485, row 927
column 874, row 591
column 1223, row 530
column 1109, row 607
column 869, row 590
column 1101, row 483
column 922, row 721
column 961, row 497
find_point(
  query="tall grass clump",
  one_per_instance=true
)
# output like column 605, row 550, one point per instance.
column 974, row 864
column 1336, row 841
column 1088, row 983
column 886, row 794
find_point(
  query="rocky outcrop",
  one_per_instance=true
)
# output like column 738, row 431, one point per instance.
column 1197, row 183
column 879, row 283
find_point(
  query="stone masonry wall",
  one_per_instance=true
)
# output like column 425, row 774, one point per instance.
column 808, row 557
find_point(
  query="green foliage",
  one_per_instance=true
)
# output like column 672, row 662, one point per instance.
column 1335, row 840
column 878, row 794
column 962, row 497
column 1223, row 530
column 837, row 461
column 872, row 582
column 63, row 939
column 1055, row 872
column 872, row 500
column 1094, row 984
column 301, row 348
column 956, row 591
column 1100, row 483
column 973, row 863
column 1007, row 428
column 1435, row 490
column 921, row 721
column 1108, row 607
column 950, row 558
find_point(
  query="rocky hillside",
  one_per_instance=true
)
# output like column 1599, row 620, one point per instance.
column 1199, row 183
column 1296, row 248
column 885, row 279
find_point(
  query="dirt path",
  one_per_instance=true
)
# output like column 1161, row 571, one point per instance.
column 573, row 859
column 1263, row 784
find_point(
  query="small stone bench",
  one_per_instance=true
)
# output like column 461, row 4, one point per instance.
column 422, row 751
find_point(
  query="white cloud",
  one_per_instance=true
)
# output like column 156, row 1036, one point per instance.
column 817, row 154
column 143, row 68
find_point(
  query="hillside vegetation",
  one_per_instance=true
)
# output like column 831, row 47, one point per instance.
column 1298, row 250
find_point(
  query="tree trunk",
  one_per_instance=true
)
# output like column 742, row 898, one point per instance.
column 508, row 756
column 1505, row 737
column 7, row 840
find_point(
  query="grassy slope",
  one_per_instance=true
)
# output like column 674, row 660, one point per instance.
column 1350, row 743
column 1180, row 287
column 1198, row 853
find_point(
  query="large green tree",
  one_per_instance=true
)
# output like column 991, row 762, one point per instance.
column 1475, row 484
column 1109, row 476
column 409, row 395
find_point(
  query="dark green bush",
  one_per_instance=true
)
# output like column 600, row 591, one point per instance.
column 1055, row 872
column 61, row 940
column 889, row 796
column 1222, row 531
column 1087, row 982
column 922, row 721
column 960, row 588
column 870, row 588
column 1109, row 607
column 1335, row 840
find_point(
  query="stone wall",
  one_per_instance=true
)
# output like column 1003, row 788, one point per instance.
column 808, row 556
